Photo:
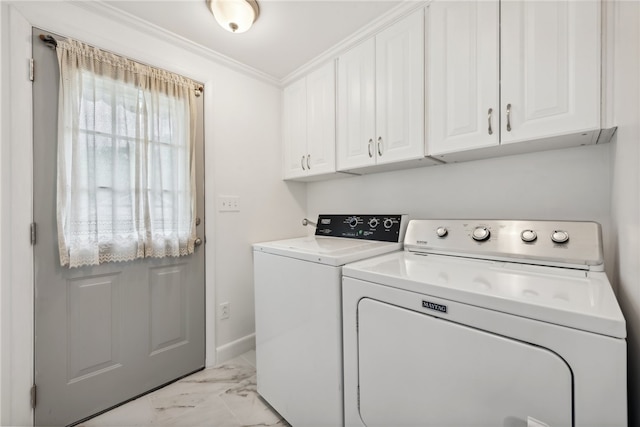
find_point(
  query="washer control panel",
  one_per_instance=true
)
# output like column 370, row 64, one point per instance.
column 383, row 228
column 558, row 243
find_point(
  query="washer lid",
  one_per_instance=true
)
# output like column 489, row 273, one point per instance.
column 573, row 298
column 334, row 251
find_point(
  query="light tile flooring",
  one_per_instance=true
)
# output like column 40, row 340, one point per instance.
column 224, row 396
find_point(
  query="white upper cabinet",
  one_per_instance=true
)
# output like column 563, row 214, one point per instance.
column 550, row 68
column 400, row 90
column 356, row 107
column 321, row 120
column 295, row 129
column 463, row 88
column 512, row 71
column 381, row 97
column 309, row 125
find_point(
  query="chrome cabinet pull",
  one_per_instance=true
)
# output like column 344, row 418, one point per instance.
column 370, row 147
column 197, row 242
column 308, row 164
column 302, row 163
column 508, row 117
column 380, row 146
column 489, row 119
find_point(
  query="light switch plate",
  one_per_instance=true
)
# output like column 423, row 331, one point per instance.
column 228, row 203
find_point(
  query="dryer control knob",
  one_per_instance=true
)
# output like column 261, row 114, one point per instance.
column 442, row 231
column 388, row 223
column 560, row 236
column 373, row 222
column 353, row 222
column 528, row 236
column 480, row 234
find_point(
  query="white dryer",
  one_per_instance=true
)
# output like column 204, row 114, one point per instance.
column 485, row 324
column 298, row 304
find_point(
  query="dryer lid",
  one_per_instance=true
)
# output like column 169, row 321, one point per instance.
column 577, row 299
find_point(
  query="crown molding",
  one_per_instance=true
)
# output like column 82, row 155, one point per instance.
column 392, row 16
column 111, row 12
column 100, row 7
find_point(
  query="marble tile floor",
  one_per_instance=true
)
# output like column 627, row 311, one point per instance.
column 223, row 396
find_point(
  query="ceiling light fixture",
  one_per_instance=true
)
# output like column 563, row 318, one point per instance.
column 235, row 16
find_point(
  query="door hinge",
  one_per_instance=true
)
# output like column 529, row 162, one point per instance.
column 31, row 67
column 33, row 396
column 33, row 233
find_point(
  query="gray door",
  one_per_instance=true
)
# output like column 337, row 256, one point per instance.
column 108, row 333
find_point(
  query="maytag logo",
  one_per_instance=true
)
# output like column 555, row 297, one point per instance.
column 433, row 306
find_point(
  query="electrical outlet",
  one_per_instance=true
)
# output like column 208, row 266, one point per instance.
column 228, row 204
column 224, row 310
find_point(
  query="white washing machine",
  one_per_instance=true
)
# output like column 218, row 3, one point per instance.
column 299, row 313
column 485, row 324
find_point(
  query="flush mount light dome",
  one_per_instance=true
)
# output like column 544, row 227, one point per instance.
column 235, row 16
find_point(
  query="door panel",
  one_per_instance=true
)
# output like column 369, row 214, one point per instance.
column 108, row 333
column 295, row 129
column 400, row 90
column 463, row 76
column 168, row 307
column 356, row 107
column 452, row 375
column 93, row 301
column 550, row 68
column 321, row 119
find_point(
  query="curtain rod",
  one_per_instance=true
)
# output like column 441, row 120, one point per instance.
column 53, row 44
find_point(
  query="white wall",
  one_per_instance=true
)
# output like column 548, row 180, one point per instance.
column 242, row 158
column 568, row 184
column 626, row 186
column 248, row 164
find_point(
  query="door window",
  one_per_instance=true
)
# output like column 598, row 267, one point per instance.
column 126, row 178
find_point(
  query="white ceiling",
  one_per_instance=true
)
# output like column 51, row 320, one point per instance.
column 287, row 35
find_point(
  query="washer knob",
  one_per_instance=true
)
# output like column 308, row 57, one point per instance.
column 528, row 236
column 388, row 223
column 560, row 236
column 480, row 234
column 373, row 222
column 353, row 222
column 442, row 231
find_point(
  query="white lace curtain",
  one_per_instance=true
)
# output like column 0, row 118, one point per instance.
column 126, row 169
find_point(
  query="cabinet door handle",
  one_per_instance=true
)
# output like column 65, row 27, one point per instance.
column 489, row 119
column 508, row 117
column 369, row 147
column 302, row 163
column 380, row 146
column 308, row 163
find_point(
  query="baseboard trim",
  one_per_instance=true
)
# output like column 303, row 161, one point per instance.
column 235, row 348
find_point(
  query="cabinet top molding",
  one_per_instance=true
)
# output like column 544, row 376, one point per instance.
column 402, row 10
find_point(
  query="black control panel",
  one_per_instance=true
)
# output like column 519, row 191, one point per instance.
column 383, row 228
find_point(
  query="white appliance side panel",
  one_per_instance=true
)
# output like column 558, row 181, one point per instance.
column 416, row 369
column 299, row 339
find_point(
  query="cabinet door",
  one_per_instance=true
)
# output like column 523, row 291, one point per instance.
column 295, row 129
column 321, row 120
column 550, row 68
column 356, row 104
column 400, row 90
column 462, row 76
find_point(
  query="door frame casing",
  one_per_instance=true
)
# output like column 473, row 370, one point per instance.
column 16, row 191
